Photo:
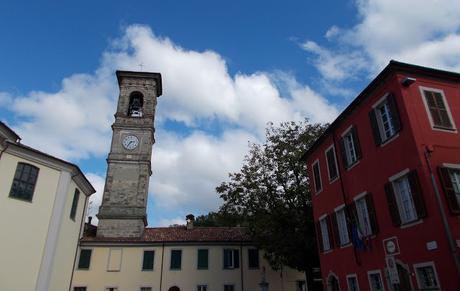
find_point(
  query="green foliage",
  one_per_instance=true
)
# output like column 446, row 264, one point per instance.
column 270, row 194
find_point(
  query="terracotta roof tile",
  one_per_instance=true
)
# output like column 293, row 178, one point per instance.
column 182, row 234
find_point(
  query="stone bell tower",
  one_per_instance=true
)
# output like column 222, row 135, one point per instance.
column 123, row 209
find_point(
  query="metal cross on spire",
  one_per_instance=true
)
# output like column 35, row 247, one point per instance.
column 141, row 66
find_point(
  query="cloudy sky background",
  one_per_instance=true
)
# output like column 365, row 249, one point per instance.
column 227, row 71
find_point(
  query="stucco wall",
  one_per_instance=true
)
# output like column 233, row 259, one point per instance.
column 131, row 277
column 24, row 225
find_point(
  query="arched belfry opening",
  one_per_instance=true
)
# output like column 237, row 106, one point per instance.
column 136, row 103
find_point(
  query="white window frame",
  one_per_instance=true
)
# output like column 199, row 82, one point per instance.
column 372, row 272
column 342, row 233
column 367, row 228
column 400, row 202
column 430, row 118
column 331, row 180
column 316, row 162
column 232, row 251
column 327, row 280
column 199, row 287
column 324, row 234
column 350, row 162
column 455, row 182
column 422, row 265
column 352, row 276
column 378, row 116
column 110, row 257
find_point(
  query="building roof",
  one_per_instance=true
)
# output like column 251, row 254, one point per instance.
column 180, row 234
column 391, row 68
column 8, row 133
column 16, row 146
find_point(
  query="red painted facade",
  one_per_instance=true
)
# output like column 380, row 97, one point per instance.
column 422, row 241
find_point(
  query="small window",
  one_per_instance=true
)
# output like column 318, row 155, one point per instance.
column 202, row 259
column 176, row 259
column 438, row 110
column 450, row 179
column 148, row 260
column 317, row 177
column 324, row 234
column 202, row 288
column 385, row 120
column 351, row 150
column 24, row 182
column 229, row 287
column 73, row 210
column 405, row 201
column 146, row 289
column 375, row 281
column 111, row 289
column 342, row 227
column 231, row 259
column 253, row 258
column 79, row 288
column 426, row 277
column 331, row 164
column 85, row 259
column 352, row 282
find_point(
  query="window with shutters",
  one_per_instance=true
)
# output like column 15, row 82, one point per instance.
column 84, row 259
column 450, row 179
column 331, row 164
column 231, row 259
column 375, row 281
column 148, row 260
column 253, row 258
column 229, row 287
column 73, row 209
column 427, row 278
column 351, row 150
column 385, row 119
column 342, row 226
column 24, row 182
column 202, row 263
column 176, row 259
column 352, row 282
column 437, row 109
column 317, row 177
column 404, row 197
column 324, row 229
column 363, row 213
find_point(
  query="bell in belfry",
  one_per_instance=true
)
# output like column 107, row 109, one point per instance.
column 135, row 106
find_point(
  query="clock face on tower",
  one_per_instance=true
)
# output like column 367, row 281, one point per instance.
column 130, row 142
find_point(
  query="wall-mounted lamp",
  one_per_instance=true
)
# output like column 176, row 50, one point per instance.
column 407, row 81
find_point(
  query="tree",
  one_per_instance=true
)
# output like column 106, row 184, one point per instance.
column 271, row 194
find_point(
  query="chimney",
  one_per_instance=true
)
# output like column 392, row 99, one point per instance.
column 89, row 219
column 190, row 219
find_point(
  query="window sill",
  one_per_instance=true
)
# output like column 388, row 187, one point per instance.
column 444, row 129
column 352, row 165
column 20, row 199
column 411, row 223
column 349, row 244
column 317, row 193
column 327, row 251
column 389, row 140
column 333, row 180
column 147, row 270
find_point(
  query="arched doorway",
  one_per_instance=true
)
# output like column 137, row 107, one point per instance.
column 404, row 279
column 174, row 288
column 332, row 283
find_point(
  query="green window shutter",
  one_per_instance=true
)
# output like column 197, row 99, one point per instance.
column 417, row 194
column 372, row 214
column 392, row 206
column 203, row 259
column 148, row 260
column 227, row 258
column 85, row 259
column 375, row 127
column 176, row 259
column 73, row 210
column 253, row 258
column 236, row 259
column 396, row 119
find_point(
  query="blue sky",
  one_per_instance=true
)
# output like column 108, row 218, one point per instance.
column 228, row 68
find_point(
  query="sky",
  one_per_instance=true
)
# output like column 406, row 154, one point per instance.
column 228, row 68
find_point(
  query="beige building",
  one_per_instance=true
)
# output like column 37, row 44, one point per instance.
column 178, row 258
column 42, row 205
column 122, row 253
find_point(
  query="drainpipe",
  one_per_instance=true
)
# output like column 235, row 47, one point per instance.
column 241, row 265
column 161, row 271
column 442, row 212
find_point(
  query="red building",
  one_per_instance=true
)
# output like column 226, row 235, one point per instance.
column 385, row 183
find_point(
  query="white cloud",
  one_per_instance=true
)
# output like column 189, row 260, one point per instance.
column 5, row 99
column 171, row 221
column 74, row 122
column 425, row 33
column 95, row 200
